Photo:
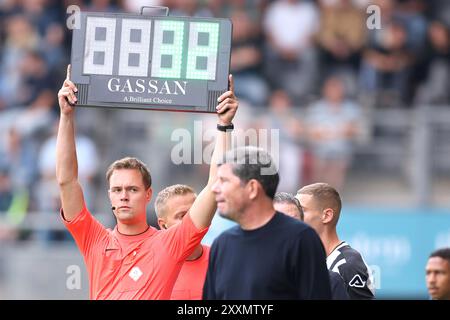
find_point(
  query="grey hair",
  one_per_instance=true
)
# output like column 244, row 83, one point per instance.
column 285, row 197
column 254, row 163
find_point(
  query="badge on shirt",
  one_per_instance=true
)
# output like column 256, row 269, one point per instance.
column 135, row 273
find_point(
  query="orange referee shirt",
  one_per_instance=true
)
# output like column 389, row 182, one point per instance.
column 143, row 266
column 190, row 281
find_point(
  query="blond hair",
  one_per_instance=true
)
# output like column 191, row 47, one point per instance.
column 169, row 192
column 325, row 196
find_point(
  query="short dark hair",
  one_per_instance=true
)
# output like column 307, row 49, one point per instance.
column 254, row 163
column 131, row 163
column 285, row 197
column 443, row 253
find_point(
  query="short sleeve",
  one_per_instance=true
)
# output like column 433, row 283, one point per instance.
column 86, row 230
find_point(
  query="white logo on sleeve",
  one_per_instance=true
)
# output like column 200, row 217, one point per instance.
column 135, row 273
column 357, row 282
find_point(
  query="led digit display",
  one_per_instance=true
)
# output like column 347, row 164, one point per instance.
column 134, row 47
column 203, row 44
column 99, row 45
column 151, row 62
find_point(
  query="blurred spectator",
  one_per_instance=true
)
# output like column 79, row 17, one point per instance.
column 6, row 199
column 47, row 192
column 434, row 68
column 26, row 124
column 6, row 192
column 331, row 125
column 246, row 60
column 22, row 128
column 88, row 162
column 36, row 78
column 283, row 116
column 439, row 10
column 26, row 136
column 190, row 8
column 56, row 55
column 21, row 37
column 291, row 58
column 411, row 13
column 386, row 60
column 14, row 199
column 341, row 36
column 253, row 8
column 41, row 13
column 102, row 6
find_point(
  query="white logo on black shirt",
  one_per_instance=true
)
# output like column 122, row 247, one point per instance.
column 357, row 282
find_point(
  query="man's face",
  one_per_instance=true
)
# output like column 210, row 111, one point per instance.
column 438, row 278
column 311, row 211
column 288, row 209
column 127, row 193
column 175, row 208
column 230, row 194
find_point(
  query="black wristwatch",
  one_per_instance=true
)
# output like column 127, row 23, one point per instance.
column 225, row 128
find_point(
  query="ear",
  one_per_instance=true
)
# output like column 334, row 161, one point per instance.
column 253, row 189
column 149, row 194
column 162, row 224
column 327, row 215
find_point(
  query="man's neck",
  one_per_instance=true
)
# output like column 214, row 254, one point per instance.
column 132, row 229
column 257, row 215
column 330, row 241
column 198, row 251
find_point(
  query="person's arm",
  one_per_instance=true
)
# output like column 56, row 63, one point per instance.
column 356, row 276
column 71, row 194
column 204, row 207
column 338, row 287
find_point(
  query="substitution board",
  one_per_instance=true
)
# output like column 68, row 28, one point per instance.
column 150, row 62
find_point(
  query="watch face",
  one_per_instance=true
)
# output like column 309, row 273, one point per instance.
column 148, row 62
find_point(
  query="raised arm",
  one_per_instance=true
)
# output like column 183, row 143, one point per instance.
column 66, row 157
column 204, row 207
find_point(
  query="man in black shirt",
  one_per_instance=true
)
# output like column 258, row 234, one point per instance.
column 268, row 255
column 286, row 203
column 321, row 206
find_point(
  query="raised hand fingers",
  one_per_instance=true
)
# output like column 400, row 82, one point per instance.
column 230, row 78
column 71, row 85
column 68, row 82
column 67, row 93
column 69, row 72
column 225, row 95
column 228, row 103
column 223, row 105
